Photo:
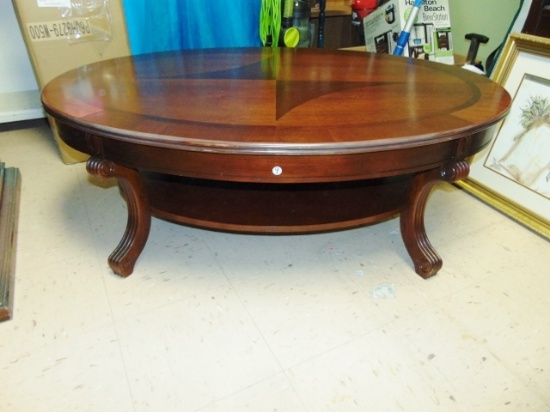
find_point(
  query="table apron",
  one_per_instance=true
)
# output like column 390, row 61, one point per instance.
column 270, row 167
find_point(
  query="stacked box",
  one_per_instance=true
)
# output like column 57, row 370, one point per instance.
column 61, row 35
column 430, row 37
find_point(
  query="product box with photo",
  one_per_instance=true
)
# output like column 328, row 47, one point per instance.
column 430, row 37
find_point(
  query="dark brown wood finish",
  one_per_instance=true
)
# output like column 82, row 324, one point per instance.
column 275, row 140
column 537, row 22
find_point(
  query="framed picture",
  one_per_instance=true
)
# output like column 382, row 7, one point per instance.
column 513, row 173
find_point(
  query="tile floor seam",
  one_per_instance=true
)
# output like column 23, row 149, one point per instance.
column 228, row 396
column 244, row 306
column 490, row 350
column 406, row 343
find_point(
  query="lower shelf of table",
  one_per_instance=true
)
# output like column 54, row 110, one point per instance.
column 275, row 208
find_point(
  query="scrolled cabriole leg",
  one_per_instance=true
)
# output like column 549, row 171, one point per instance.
column 425, row 258
column 125, row 255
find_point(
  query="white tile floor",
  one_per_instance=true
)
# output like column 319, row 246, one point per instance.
column 222, row 322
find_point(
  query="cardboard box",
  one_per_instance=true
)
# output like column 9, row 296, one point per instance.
column 61, row 36
column 430, row 37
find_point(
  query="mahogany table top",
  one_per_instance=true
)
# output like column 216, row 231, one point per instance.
column 275, row 101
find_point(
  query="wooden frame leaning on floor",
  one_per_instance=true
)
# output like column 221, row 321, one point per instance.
column 10, row 189
column 503, row 174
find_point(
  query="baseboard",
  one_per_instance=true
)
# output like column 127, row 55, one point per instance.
column 18, row 106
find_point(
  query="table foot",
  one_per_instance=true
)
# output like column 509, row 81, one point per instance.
column 125, row 255
column 426, row 260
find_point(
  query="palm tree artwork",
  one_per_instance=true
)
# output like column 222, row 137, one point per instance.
column 526, row 159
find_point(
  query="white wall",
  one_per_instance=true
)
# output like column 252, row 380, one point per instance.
column 19, row 96
column 15, row 65
column 492, row 18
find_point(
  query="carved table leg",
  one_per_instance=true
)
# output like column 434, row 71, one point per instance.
column 426, row 260
column 125, row 255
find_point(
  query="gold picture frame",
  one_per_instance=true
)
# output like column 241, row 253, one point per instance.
column 513, row 173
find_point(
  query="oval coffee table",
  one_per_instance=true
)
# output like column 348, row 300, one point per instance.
column 265, row 140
